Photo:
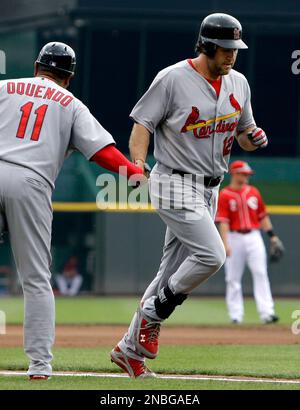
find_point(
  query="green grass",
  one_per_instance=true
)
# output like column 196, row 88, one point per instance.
column 230, row 360
column 90, row 383
column 259, row 361
column 107, row 310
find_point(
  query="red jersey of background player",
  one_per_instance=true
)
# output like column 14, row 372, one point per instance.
column 243, row 209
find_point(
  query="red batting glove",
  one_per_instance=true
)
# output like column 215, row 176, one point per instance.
column 258, row 138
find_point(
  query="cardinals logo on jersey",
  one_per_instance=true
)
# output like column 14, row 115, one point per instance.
column 235, row 103
column 192, row 119
column 220, row 125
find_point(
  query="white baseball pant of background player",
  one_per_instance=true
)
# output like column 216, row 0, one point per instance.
column 247, row 249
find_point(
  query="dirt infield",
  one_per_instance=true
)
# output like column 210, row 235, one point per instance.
column 95, row 336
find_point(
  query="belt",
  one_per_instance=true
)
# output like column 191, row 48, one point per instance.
column 243, row 231
column 208, row 181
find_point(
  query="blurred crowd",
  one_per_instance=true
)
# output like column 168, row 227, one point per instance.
column 68, row 282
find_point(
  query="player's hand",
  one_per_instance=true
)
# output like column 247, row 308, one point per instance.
column 227, row 250
column 139, row 163
column 143, row 166
column 258, row 138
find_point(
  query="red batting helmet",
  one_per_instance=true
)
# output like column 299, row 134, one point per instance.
column 240, row 167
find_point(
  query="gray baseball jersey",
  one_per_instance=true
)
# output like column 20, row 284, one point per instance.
column 40, row 123
column 48, row 124
column 193, row 129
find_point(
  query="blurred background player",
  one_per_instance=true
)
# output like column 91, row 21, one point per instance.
column 241, row 214
column 7, row 280
column 70, row 280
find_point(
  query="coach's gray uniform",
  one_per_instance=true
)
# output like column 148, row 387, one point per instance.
column 180, row 97
column 40, row 124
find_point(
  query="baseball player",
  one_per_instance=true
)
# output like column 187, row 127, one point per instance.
column 195, row 108
column 241, row 214
column 40, row 124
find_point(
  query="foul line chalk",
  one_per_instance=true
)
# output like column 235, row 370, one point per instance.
column 199, row 377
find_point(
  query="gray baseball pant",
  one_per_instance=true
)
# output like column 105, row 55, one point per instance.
column 25, row 202
column 193, row 251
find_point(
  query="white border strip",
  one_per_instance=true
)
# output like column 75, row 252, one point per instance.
column 167, row 377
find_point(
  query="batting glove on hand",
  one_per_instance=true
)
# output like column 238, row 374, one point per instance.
column 258, row 138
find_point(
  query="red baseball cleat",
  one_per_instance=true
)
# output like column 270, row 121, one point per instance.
column 38, row 377
column 135, row 368
column 146, row 338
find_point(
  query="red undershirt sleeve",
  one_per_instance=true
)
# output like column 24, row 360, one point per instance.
column 111, row 159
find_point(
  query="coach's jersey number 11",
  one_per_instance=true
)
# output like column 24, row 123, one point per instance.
column 40, row 113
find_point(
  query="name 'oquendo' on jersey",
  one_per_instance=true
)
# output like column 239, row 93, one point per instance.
column 193, row 129
column 42, row 123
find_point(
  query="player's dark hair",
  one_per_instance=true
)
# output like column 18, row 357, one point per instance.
column 206, row 48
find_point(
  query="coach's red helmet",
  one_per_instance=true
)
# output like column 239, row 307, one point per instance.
column 240, row 167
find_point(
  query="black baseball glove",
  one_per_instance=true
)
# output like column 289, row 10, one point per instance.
column 276, row 250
